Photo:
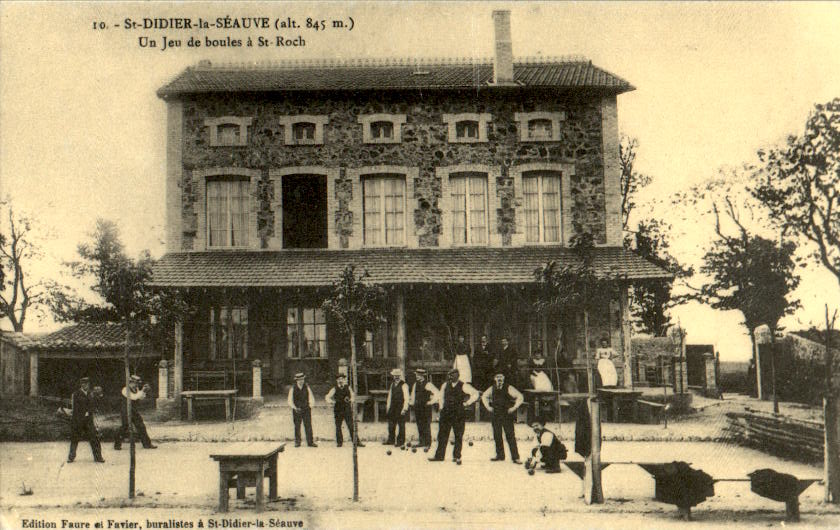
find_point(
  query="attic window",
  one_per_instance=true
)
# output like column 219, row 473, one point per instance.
column 467, row 127
column 228, row 131
column 304, row 129
column 539, row 126
column 382, row 128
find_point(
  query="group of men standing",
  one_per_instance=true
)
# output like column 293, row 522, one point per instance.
column 82, row 427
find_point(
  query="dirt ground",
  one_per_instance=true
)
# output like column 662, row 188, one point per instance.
column 404, row 489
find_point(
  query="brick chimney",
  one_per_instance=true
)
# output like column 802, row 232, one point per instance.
column 503, row 65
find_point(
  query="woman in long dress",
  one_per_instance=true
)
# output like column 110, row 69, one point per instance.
column 462, row 361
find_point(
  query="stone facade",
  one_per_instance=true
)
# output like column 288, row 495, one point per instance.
column 424, row 146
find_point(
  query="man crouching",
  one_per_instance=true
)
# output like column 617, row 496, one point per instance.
column 549, row 449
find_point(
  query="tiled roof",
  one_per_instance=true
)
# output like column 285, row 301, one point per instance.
column 95, row 336
column 387, row 75
column 300, row 268
column 19, row 339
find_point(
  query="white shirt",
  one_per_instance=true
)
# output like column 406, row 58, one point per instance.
column 433, row 393
column 468, row 388
column 540, row 381
column 512, row 392
column 140, row 394
column 405, row 397
column 462, row 364
column 291, row 399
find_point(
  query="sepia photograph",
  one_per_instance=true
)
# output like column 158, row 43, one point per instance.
column 419, row 265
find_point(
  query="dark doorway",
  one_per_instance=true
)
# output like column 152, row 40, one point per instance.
column 304, row 211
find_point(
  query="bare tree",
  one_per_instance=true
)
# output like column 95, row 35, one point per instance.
column 18, row 252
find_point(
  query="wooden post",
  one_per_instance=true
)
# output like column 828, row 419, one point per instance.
column 773, row 370
column 401, row 339
column 256, row 379
column 178, row 372
column 33, row 374
column 355, row 382
column 594, row 494
column 757, row 357
column 131, row 462
column 831, row 413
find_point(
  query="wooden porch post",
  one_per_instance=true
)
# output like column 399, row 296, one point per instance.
column 401, row 338
column 626, row 336
column 33, row 374
column 178, row 372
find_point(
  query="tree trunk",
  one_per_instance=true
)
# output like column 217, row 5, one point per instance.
column 757, row 360
column 131, row 461
column 773, row 370
column 831, row 414
column 595, row 495
column 355, row 382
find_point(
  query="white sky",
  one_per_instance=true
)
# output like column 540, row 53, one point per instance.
column 82, row 132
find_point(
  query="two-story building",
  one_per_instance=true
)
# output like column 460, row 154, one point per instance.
column 450, row 181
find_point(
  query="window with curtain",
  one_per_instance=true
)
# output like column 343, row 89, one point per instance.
column 541, row 205
column 306, row 333
column 469, row 208
column 228, row 332
column 380, row 343
column 227, row 213
column 384, row 207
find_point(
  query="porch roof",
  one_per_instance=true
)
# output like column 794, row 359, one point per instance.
column 313, row 268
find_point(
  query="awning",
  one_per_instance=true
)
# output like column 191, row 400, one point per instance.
column 314, row 268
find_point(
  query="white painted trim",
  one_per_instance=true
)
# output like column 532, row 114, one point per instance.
column 397, row 120
column 276, row 175
column 213, row 127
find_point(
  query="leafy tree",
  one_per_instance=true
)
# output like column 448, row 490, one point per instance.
column 649, row 237
column 18, row 252
column 749, row 273
column 357, row 306
column 800, row 183
column 122, row 285
column 578, row 287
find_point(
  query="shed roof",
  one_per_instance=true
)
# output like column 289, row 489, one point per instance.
column 313, row 268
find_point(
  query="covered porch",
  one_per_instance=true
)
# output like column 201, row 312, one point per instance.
column 256, row 317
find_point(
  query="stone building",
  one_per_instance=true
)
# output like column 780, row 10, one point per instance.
column 449, row 181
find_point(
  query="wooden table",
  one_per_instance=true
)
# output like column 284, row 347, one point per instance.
column 378, row 396
column 614, row 397
column 209, row 395
column 249, row 463
column 535, row 398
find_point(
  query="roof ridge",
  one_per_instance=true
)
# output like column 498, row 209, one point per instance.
column 368, row 62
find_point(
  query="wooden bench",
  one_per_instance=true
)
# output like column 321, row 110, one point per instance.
column 651, row 410
column 209, row 395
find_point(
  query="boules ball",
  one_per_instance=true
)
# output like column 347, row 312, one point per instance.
column 531, row 472
column 402, row 448
column 413, row 449
column 388, row 452
column 470, row 443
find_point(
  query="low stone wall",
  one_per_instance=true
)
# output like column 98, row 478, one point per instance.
column 778, row 435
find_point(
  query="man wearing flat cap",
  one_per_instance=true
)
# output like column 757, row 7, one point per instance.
column 423, row 397
column 455, row 397
column 301, row 402
column 502, row 400
column 81, row 422
column 134, row 393
column 396, row 406
column 342, row 397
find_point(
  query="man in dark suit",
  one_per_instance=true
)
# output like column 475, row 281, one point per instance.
column 483, row 364
column 507, row 362
column 454, row 397
column 81, row 422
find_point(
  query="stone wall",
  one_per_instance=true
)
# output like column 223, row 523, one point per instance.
column 424, row 145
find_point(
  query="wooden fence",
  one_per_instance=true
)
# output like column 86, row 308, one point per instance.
column 800, row 440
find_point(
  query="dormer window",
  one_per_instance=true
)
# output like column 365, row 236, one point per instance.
column 467, row 127
column 228, row 131
column 539, row 126
column 304, row 129
column 382, row 128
